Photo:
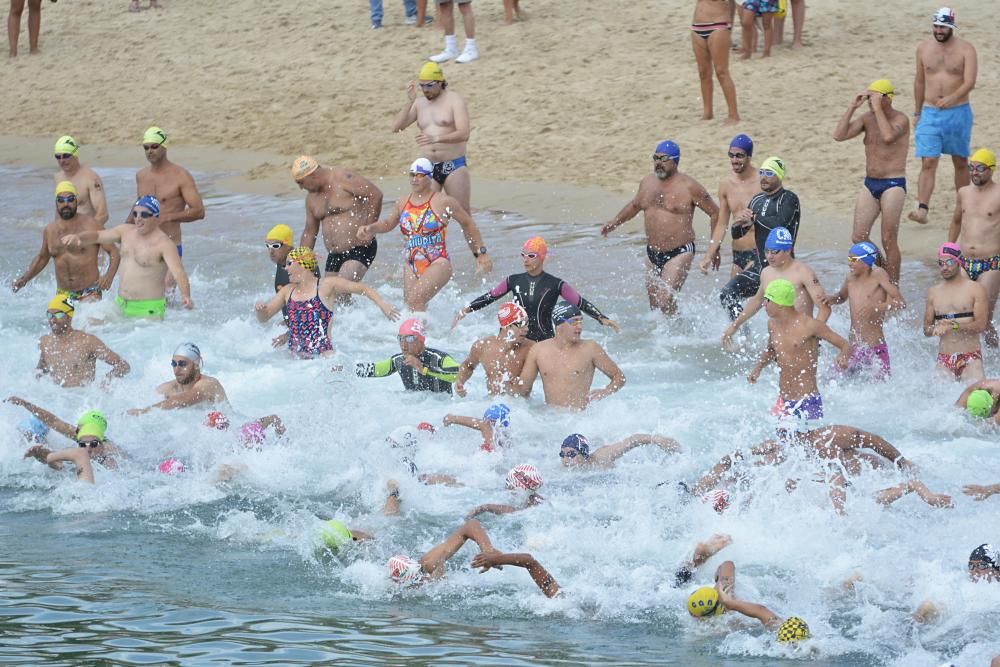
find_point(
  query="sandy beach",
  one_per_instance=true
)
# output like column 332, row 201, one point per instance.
column 577, row 94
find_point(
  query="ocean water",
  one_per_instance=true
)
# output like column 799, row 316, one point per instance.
column 146, row 568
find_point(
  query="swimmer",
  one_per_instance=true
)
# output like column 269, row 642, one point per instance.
column 983, row 566
column 793, row 341
column 308, row 301
column 147, row 256
column 537, row 292
column 872, row 295
column 420, row 368
column 338, row 203
column 423, row 220
column 523, row 478
column 405, row 439
column 77, row 272
column 981, row 491
column 70, row 356
column 667, row 199
column 982, row 400
column 189, row 387
column 893, row 493
column 253, row 432
column 887, row 141
column 89, row 186
column 567, row 364
column 703, row 551
column 34, row 430
column 735, row 193
column 710, row 39
column 494, row 426
column 88, row 434
column 502, row 356
column 956, row 313
column 791, row 629
column 575, row 450
column 279, row 243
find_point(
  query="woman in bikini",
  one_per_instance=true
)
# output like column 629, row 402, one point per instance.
column 710, row 40
column 423, row 219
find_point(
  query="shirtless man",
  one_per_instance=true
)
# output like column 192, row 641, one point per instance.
column 77, row 273
column 793, row 341
column 502, row 356
column 887, row 141
column 148, row 254
column 946, row 74
column 735, row 193
column 567, row 364
column 443, row 120
column 710, row 39
column 976, row 228
column 575, row 450
column 69, row 356
column 494, row 426
column 90, row 188
column 781, row 264
column 956, row 312
column 667, row 199
column 872, row 295
column 338, row 201
column 189, row 387
column 173, row 187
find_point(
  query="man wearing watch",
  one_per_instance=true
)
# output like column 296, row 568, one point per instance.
column 957, row 312
column 421, row 368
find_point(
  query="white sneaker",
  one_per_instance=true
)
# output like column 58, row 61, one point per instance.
column 444, row 56
column 469, row 53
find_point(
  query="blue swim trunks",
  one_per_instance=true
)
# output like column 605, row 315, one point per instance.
column 877, row 186
column 807, row 408
column 759, row 7
column 947, row 131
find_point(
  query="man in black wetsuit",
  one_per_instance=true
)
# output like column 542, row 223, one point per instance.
column 420, row 368
column 537, row 292
column 773, row 207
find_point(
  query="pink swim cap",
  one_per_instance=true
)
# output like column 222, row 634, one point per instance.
column 403, row 569
column 216, row 419
column 171, row 467
column 252, row 433
column 950, row 250
column 412, row 327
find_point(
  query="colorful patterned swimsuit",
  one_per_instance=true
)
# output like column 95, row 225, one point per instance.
column 425, row 235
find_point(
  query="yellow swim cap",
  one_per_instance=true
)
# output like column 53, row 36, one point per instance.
column 66, row 186
column 60, row 303
column 431, row 72
column 775, row 164
column 792, row 630
column 90, row 428
column 66, row 144
column 281, row 233
column 984, row 156
column 704, row 602
column 303, row 166
column 304, row 256
column 154, row 135
column 882, row 86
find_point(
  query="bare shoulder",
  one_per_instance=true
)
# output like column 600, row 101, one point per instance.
column 967, row 47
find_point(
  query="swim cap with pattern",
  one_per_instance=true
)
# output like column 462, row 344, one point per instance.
column 525, row 477
column 66, row 144
column 61, row 303
column 154, row 135
column 303, row 166
column 305, row 257
column 775, row 164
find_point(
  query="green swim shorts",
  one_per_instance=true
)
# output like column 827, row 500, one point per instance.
column 153, row 308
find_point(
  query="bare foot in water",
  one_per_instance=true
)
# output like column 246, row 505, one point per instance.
column 920, row 215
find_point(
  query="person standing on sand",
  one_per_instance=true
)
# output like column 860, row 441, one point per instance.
column 946, row 74
column 446, row 12
column 667, row 199
column 749, row 11
column 710, row 39
column 798, row 11
column 887, row 142
column 14, row 24
column 89, row 186
column 735, row 193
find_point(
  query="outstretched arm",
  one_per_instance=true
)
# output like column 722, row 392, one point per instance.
column 45, row 416
column 980, row 492
column 433, row 561
column 894, row 493
column 750, row 609
column 545, row 582
column 331, row 284
column 608, row 454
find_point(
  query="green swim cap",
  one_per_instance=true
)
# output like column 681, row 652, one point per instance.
column 95, row 417
column 781, row 292
column 980, row 403
column 335, row 535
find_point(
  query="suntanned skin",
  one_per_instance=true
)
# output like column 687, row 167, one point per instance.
column 89, row 186
column 484, row 426
column 338, row 202
column 567, row 364
column 502, row 358
column 887, row 142
column 443, row 119
column 174, row 187
column 872, row 295
column 956, row 294
column 76, row 267
column 735, row 192
column 608, row 455
column 712, row 54
column 946, row 73
column 975, row 226
column 70, row 356
column 667, row 198
column 189, row 387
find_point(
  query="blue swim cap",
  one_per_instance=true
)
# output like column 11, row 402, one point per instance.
column 865, row 251
column 150, row 202
column 499, row 413
column 669, row 148
column 577, row 442
column 779, row 239
column 34, row 428
column 742, row 142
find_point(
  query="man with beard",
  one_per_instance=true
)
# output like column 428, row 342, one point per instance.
column 147, row 255
column 735, row 192
column 189, row 387
column 946, row 74
column 90, row 187
column 77, row 275
column 956, row 313
column 338, row 202
column 667, row 199
column 443, row 120
column 70, row 356
column 976, row 228
column 772, row 207
column 502, row 356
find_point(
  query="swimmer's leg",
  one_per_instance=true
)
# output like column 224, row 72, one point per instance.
column 925, row 188
column 433, row 561
column 892, row 201
column 662, row 288
column 991, row 281
column 866, row 210
column 353, row 270
column 459, row 184
column 703, row 58
column 961, row 165
column 749, row 32
column 718, row 43
column 419, row 290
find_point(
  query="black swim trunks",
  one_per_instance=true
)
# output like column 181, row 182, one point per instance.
column 443, row 169
column 359, row 253
column 744, row 258
column 659, row 258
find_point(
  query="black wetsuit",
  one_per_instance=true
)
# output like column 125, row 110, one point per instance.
column 280, row 280
column 442, row 371
column 538, row 296
column 769, row 211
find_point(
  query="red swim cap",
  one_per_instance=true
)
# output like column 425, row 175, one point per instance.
column 511, row 313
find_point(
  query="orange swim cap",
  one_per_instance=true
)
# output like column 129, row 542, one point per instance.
column 536, row 244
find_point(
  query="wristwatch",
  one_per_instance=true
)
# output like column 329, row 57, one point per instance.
column 481, row 251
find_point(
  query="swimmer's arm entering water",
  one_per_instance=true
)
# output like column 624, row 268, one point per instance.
column 894, row 493
column 545, row 581
column 46, row 417
column 768, row 618
column 492, row 509
column 608, row 454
